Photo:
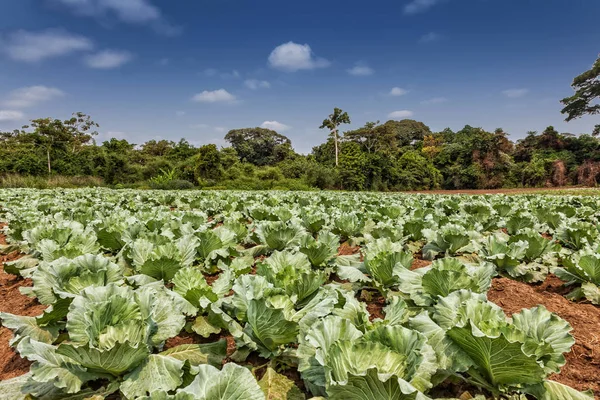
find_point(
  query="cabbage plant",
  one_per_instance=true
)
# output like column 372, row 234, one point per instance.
column 113, row 332
column 475, row 340
column 583, row 269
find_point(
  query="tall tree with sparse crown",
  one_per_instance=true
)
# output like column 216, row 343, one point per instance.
column 587, row 91
column 332, row 123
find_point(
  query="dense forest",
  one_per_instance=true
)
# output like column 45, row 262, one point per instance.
column 395, row 155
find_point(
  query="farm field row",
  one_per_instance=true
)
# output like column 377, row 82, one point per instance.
column 278, row 295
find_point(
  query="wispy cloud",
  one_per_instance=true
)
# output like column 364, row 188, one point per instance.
column 37, row 46
column 214, row 96
column 199, row 126
column 397, row 91
column 292, row 57
column 180, row 113
column 213, row 72
column 515, row 93
column 32, row 95
column 276, row 126
column 255, row 84
column 430, row 37
column 400, row 114
column 108, row 59
column 141, row 12
column 419, row 6
column 10, row 115
column 434, row 100
column 361, row 69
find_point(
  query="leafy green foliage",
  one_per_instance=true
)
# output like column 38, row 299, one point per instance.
column 131, row 276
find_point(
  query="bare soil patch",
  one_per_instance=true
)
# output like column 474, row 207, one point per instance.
column 547, row 190
column 12, row 301
column 582, row 370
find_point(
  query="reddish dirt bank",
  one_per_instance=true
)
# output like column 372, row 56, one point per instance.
column 500, row 191
column 12, row 301
column 582, row 370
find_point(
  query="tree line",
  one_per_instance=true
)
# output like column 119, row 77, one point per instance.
column 394, row 155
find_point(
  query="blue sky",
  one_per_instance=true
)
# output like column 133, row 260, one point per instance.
column 158, row 69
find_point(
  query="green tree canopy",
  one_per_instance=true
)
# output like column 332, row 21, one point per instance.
column 587, row 93
column 260, row 146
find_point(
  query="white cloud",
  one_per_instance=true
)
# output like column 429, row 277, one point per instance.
column 36, row 46
column 400, row 114
column 430, row 37
column 256, row 84
column 32, row 95
column 10, row 115
column 220, row 129
column 419, row 6
column 180, row 113
column 108, row 59
column 128, row 11
column 514, row 93
column 214, row 96
column 276, row 126
column 435, row 100
column 396, row 91
column 361, row 69
column 293, row 57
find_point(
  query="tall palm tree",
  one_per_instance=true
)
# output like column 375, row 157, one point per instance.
column 332, row 122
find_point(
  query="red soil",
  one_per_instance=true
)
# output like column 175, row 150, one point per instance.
column 346, row 250
column 12, row 301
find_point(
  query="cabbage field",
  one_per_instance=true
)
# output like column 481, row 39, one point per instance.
column 211, row 295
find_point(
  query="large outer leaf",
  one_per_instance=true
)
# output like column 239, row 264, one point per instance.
column 210, row 245
column 449, row 354
column 28, row 327
column 499, row 361
column 396, row 312
column 370, row 387
column 117, row 360
column 158, row 372
column 278, row 387
column 584, row 268
column 269, row 327
column 551, row 390
column 53, row 368
column 23, row 387
column 161, row 268
column 160, row 312
column 591, row 292
column 233, row 382
column 197, row 354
